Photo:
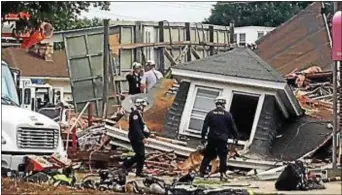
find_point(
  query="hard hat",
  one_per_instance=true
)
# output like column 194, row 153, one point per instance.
column 136, row 65
column 140, row 102
column 151, row 62
column 220, row 100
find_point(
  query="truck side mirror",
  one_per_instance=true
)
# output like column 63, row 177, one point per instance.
column 16, row 76
column 27, row 96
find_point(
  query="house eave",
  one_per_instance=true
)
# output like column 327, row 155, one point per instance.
column 228, row 79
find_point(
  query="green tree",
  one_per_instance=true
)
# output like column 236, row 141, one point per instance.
column 85, row 23
column 255, row 13
column 63, row 15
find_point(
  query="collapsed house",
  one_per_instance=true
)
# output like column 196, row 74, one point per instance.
column 304, row 40
column 266, row 112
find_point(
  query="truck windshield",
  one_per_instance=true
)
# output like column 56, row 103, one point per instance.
column 9, row 94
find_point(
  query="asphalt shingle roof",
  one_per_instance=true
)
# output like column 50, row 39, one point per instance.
column 238, row 62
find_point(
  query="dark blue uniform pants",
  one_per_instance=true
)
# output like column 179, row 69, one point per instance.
column 139, row 157
column 215, row 147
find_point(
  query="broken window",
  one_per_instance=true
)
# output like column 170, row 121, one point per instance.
column 243, row 109
column 204, row 102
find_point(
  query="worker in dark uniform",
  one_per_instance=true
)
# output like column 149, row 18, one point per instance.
column 134, row 79
column 221, row 126
column 137, row 134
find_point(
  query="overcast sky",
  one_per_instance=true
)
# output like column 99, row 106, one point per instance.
column 155, row 11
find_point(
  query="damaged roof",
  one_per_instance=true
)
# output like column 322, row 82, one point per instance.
column 300, row 42
column 238, row 62
column 300, row 136
column 33, row 66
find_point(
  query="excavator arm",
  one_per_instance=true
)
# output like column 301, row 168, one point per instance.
column 22, row 28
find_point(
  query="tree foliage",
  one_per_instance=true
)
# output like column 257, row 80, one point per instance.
column 269, row 13
column 63, row 15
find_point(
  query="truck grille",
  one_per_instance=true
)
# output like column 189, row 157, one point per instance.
column 33, row 138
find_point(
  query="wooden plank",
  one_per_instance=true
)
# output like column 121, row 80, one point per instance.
column 194, row 52
column 188, row 38
column 211, row 39
column 161, row 50
column 182, row 54
column 137, row 39
column 231, row 33
column 169, row 57
column 174, row 44
column 114, row 40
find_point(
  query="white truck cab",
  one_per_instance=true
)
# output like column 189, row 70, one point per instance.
column 23, row 131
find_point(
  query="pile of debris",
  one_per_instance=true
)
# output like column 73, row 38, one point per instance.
column 314, row 91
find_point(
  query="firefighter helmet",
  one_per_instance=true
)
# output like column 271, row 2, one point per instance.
column 140, row 102
column 136, row 65
column 220, row 100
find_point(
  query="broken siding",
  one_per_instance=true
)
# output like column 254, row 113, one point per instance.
column 300, row 42
column 270, row 121
column 174, row 114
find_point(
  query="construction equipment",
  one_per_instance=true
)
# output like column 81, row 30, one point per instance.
column 20, row 27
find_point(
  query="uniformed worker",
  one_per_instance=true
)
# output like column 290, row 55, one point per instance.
column 221, row 126
column 134, row 79
column 137, row 134
column 151, row 76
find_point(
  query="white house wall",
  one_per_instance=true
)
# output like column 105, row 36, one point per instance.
column 251, row 32
column 227, row 93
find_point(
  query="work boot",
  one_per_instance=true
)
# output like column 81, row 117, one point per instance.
column 223, row 177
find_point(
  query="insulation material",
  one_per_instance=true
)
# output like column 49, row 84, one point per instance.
column 155, row 117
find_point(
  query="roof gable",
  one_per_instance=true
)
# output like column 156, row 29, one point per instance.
column 238, row 62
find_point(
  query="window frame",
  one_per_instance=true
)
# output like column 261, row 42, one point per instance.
column 261, row 32
column 244, row 41
column 197, row 87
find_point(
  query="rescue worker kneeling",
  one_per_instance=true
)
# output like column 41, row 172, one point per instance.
column 137, row 134
column 221, row 126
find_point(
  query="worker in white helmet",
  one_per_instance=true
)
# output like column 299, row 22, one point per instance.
column 152, row 76
column 134, row 79
column 221, row 126
column 137, row 134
